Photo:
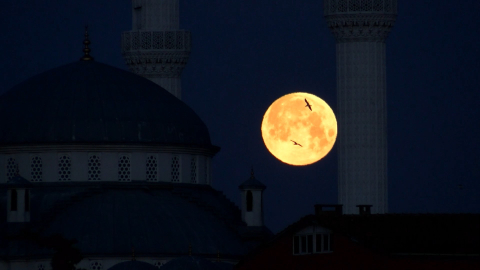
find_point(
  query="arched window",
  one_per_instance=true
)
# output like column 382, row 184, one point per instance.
column 64, row 168
column 12, row 168
column 124, row 169
column 193, row 170
column 159, row 264
column 175, row 173
column 37, row 169
column 94, row 168
column 96, row 265
column 249, row 201
column 152, row 168
column 13, row 200
column 27, row 200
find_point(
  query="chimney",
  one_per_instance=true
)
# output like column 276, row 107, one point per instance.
column 364, row 209
column 328, row 209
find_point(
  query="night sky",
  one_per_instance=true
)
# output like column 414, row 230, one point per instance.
column 246, row 54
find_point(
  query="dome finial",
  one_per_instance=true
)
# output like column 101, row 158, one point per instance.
column 252, row 174
column 86, row 50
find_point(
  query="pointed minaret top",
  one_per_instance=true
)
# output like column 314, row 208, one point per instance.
column 86, row 50
column 252, row 183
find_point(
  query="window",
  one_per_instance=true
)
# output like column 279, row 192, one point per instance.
column 318, row 240
column 175, row 173
column 326, row 239
column 96, row 265
column 27, row 200
column 159, row 264
column 12, row 168
column 13, row 200
column 152, row 166
column 308, row 244
column 37, row 170
column 324, row 242
column 249, row 201
column 193, row 169
column 303, row 244
column 124, row 169
column 94, row 168
column 64, row 168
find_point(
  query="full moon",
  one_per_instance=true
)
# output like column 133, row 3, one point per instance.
column 299, row 129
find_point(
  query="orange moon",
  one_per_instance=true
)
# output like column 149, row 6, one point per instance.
column 297, row 135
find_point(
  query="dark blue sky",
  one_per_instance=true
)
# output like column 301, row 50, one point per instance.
column 248, row 53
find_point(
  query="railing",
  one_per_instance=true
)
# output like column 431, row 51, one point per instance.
column 333, row 7
column 156, row 40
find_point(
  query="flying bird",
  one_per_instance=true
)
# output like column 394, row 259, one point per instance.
column 295, row 143
column 308, row 105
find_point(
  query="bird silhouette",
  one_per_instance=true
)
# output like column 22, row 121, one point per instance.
column 295, row 143
column 308, row 105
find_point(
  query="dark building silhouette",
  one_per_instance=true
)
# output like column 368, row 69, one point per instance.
column 331, row 240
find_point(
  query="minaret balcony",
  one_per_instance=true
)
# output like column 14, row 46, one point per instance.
column 337, row 7
column 143, row 40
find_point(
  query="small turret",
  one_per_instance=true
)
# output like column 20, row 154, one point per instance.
column 18, row 206
column 252, row 201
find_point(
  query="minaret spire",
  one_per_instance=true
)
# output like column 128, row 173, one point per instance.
column 86, row 50
column 156, row 48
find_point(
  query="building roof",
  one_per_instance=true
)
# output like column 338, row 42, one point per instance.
column 18, row 180
column 252, row 183
column 90, row 102
column 401, row 233
column 107, row 219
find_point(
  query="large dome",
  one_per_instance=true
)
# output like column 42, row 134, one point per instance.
column 90, row 102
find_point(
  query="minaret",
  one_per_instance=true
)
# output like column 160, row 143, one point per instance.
column 156, row 48
column 360, row 28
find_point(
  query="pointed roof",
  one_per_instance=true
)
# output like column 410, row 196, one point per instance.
column 18, row 179
column 252, row 183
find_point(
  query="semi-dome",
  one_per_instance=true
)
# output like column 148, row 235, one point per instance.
column 90, row 102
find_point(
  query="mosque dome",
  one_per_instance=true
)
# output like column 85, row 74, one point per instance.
column 90, row 102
